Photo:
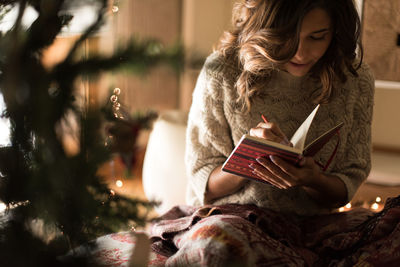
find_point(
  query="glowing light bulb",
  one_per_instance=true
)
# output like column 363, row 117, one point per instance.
column 115, row 9
column 378, row 199
column 117, row 91
column 119, row 183
column 341, row 209
column 375, row 206
column 348, row 206
column 114, row 98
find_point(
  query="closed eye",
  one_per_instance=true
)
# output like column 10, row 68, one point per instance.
column 316, row 38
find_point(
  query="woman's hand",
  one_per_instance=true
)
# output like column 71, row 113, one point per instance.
column 269, row 131
column 277, row 171
column 326, row 189
column 283, row 175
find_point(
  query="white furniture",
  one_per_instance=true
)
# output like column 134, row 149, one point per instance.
column 164, row 174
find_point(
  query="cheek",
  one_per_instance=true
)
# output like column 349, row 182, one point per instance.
column 320, row 49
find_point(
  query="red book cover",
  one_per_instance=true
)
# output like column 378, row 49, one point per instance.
column 250, row 148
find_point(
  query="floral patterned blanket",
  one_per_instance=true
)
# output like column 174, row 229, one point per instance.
column 244, row 235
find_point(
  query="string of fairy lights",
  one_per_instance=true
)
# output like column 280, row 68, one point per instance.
column 116, row 106
column 376, row 205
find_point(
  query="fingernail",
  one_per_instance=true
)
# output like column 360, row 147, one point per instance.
column 285, row 142
column 273, row 158
column 251, row 165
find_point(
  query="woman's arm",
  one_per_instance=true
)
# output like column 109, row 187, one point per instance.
column 209, row 138
column 222, row 184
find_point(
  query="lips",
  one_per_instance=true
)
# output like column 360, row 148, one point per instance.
column 298, row 65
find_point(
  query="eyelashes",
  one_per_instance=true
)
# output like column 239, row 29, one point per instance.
column 318, row 38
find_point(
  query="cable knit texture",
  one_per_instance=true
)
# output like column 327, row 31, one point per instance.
column 216, row 123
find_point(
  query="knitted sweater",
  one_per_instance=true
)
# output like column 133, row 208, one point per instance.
column 216, row 123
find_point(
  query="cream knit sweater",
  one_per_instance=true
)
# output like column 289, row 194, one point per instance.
column 216, row 123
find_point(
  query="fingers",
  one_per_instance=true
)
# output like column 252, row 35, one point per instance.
column 269, row 131
column 285, row 167
column 267, row 178
column 271, row 173
column 304, row 174
column 266, row 134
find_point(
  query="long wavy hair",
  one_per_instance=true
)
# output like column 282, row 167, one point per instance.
column 265, row 36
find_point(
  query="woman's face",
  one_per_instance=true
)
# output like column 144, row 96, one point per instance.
column 315, row 37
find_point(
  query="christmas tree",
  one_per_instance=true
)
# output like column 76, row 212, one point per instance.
column 39, row 181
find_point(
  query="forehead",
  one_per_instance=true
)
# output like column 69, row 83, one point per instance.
column 315, row 20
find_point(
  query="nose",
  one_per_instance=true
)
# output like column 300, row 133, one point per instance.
column 301, row 53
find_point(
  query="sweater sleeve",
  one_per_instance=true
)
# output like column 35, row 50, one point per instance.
column 208, row 136
column 355, row 167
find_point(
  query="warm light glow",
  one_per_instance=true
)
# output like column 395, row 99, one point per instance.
column 117, row 91
column 119, row 183
column 346, row 207
column 112, row 192
column 375, row 206
column 114, row 98
column 378, row 199
column 115, row 9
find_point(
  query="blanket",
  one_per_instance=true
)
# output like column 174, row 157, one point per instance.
column 245, row 235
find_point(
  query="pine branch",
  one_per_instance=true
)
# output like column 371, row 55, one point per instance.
column 64, row 192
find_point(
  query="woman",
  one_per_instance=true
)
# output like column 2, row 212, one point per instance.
column 281, row 59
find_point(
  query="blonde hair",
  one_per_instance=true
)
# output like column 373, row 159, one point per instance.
column 265, row 36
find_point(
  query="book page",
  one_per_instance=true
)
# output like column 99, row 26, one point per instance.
column 299, row 137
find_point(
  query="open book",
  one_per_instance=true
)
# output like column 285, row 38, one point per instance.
column 249, row 148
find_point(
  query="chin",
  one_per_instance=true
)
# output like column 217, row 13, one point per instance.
column 298, row 71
